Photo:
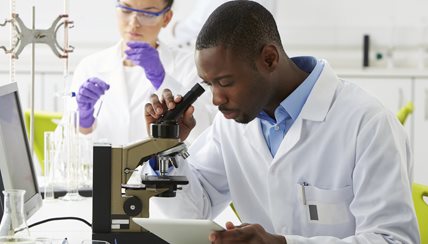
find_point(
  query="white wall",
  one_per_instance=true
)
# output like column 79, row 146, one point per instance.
column 335, row 28
column 332, row 29
column 329, row 28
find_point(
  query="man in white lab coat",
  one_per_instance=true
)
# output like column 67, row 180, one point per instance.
column 305, row 156
column 125, row 75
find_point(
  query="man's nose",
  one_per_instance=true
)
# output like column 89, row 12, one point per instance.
column 219, row 97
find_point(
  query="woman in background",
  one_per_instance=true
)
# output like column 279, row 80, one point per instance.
column 126, row 75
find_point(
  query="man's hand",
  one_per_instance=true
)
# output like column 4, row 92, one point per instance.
column 156, row 108
column 245, row 233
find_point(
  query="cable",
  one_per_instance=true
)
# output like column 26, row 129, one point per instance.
column 60, row 218
column 54, row 219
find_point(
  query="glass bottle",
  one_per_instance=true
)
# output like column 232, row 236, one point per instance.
column 13, row 226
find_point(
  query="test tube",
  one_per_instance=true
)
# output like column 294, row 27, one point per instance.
column 50, row 151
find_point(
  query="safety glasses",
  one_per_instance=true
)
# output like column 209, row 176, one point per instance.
column 144, row 17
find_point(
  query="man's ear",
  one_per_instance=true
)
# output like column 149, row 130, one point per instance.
column 269, row 57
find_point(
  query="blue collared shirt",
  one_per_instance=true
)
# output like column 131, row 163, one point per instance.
column 274, row 129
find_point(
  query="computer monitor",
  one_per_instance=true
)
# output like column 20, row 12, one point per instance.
column 16, row 164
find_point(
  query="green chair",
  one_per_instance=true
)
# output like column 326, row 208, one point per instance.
column 43, row 121
column 404, row 112
column 418, row 193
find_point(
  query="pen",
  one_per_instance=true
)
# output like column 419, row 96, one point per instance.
column 65, row 241
column 99, row 108
column 303, row 185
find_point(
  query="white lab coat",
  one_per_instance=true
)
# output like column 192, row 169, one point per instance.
column 346, row 154
column 121, row 120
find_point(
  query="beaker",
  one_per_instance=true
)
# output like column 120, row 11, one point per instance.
column 86, row 147
column 13, row 226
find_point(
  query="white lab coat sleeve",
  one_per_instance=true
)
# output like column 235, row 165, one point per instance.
column 207, row 193
column 381, row 175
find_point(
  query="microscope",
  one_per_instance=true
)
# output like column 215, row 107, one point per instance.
column 115, row 202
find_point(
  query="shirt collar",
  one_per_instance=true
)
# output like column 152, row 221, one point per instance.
column 293, row 104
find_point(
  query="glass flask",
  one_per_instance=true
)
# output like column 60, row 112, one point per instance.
column 13, row 226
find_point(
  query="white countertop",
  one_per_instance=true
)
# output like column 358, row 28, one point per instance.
column 76, row 231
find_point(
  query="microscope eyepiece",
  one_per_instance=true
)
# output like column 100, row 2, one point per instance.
column 166, row 126
column 186, row 101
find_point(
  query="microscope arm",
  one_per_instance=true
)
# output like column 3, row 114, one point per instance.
column 137, row 153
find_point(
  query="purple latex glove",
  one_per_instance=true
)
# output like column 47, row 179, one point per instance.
column 89, row 93
column 144, row 55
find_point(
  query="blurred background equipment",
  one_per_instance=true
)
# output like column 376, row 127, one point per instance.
column 21, row 36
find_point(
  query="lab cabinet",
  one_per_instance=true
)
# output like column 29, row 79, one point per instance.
column 48, row 89
column 421, row 130
column 393, row 92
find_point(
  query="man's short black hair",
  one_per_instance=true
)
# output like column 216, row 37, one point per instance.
column 244, row 27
